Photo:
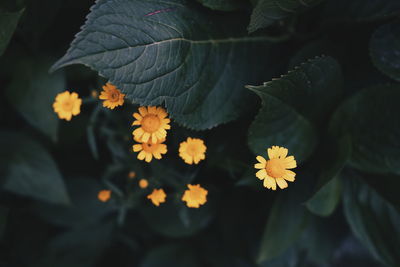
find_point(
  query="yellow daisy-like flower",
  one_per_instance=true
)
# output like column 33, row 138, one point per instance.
column 149, row 150
column 192, row 150
column 276, row 169
column 157, row 196
column 153, row 123
column 143, row 183
column 195, row 196
column 104, row 195
column 112, row 96
column 66, row 105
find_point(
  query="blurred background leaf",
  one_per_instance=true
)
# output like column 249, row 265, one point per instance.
column 29, row 170
column 8, row 23
column 32, row 92
column 385, row 49
column 373, row 220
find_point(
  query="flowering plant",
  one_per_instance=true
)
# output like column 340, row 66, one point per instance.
column 200, row 133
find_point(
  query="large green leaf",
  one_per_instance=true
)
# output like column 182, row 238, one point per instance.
column 266, row 12
column 29, row 170
column 373, row 220
column 223, row 5
column 360, row 10
column 324, row 202
column 372, row 120
column 385, row 49
column 170, row 52
column 292, row 104
column 34, row 95
column 286, row 222
column 8, row 23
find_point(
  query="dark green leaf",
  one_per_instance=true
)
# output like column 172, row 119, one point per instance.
column 182, row 223
column 373, row 220
column 85, row 208
column 266, row 12
column 170, row 52
column 29, row 170
column 360, row 10
column 34, row 94
column 292, row 103
column 286, row 222
column 223, row 5
column 8, row 23
column 176, row 255
column 324, row 202
column 78, row 247
column 372, row 120
column 385, row 49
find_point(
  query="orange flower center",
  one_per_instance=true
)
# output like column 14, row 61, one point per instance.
column 149, row 147
column 275, row 168
column 114, row 96
column 67, row 105
column 151, row 123
column 192, row 150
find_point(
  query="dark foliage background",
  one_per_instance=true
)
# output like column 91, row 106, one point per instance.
column 337, row 112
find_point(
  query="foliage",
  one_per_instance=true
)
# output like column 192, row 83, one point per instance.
column 320, row 78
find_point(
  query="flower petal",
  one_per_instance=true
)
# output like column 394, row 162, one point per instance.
column 281, row 183
column 137, row 116
column 261, row 174
column 282, row 152
column 143, row 111
column 290, row 162
column 137, row 148
column 261, row 159
column 141, row 155
column 272, row 152
column 270, row 183
column 289, row 175
column 259, row 165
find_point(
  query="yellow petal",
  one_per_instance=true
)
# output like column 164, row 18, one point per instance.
column 270, row 183
column 141, row 155
column 281, row 183
column 145, row 137
column 137, row 116
column 149, row 157
column 153, row 138
column 261, row 159
column 272, row 152
column 143, row 111
column 282, row 152
column 138, row 132
column 261, row 174
column 259, row 165
column 289, row 175
column 290, row 163
column 137, row 148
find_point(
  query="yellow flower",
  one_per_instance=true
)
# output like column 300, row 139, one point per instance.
column 104, row 195
column 275, row 170
column 195, row 196
column 157, row 196
column 192, row 150
column 131, row 174
column 112, row 96
column 67, row 105
column 143, row 183
column 149, row 150
column 153, row 123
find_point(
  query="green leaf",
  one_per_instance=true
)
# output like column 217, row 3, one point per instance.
column 8, row 23
column 177, row 255
column 168, row 52
column 372, row 120
column 85, row 208
column 286, row 222
column 373, row 220
column 29, row 170
column 324, row 202
column 360, row 10
column 385, row 49
column 185, row 222
column 223, row 5
column 292, row 104
column 77, row 247
column 266, row 12
column 33, row 95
